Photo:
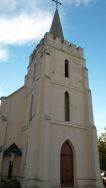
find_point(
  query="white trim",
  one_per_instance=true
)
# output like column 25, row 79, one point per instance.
column 63, row 123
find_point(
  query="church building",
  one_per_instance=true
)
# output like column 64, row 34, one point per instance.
column 47, row 134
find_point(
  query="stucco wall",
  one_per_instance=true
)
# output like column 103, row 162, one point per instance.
column 15, row 108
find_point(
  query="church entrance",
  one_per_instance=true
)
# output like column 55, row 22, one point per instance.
column 66, row 166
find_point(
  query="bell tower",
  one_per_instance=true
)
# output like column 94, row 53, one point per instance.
column 60, row 135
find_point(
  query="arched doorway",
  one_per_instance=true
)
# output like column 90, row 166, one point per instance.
column 66, row 166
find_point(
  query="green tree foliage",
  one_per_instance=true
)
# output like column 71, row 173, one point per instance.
column 102, row 150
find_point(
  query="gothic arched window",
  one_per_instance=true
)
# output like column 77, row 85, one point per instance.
column 31, row 109
column 67, row 106
column 66, row 68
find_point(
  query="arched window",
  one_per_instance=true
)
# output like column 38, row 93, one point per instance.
column 66, row 68
column 31, row 109
column 67, row 106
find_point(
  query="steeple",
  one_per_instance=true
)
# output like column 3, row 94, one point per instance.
column 56, row 28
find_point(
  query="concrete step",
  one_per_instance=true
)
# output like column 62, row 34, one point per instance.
column 9, row 184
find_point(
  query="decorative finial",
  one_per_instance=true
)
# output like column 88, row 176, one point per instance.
column 57, row 3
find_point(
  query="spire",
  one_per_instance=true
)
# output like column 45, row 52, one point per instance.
column 56, row 28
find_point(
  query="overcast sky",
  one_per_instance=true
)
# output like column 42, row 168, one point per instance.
column 24, row 22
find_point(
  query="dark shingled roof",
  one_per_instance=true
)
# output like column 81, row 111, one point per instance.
column 56, row 28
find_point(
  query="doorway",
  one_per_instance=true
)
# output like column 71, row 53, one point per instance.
column 66, row 166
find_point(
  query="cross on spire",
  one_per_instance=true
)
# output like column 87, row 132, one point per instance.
column 57, row 3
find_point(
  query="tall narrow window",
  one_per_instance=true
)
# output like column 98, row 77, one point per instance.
column 31, row 109
column 67, row 107
column 66, row 68
column 26, row 153
column 34, row 72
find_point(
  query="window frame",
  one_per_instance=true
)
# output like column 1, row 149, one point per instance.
column 67, row 106
column 66, row 68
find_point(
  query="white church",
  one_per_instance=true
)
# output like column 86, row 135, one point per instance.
column 47, row 134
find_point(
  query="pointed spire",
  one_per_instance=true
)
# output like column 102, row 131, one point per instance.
column 56, row 28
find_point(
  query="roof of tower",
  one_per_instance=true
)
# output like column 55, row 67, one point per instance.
column 56, row 28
